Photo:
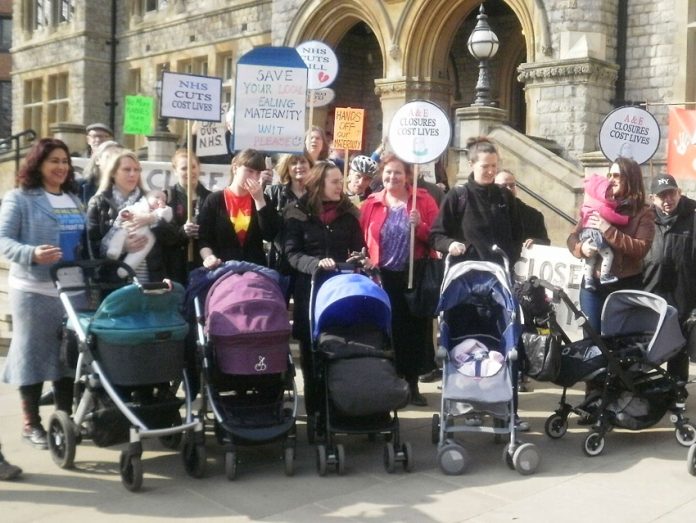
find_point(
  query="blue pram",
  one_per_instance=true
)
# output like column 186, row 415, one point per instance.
column 129, row 356
column 479, row 330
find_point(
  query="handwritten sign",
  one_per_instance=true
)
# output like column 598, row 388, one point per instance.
column 137, row 117
column 160, row 175
column 630, row 132
column 191, row 97
column 321, row 62
column 348, row 128
column 320, row 97
column 270, row 100
column 558, row 266
column 210, row 139
column 419, row 132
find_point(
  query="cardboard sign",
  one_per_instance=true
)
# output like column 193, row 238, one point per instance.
column 270, row 100
column 419, row 132
column 160, row 175
column 558, row 266
column 191, row 97
column 210, row 139
column 137, row 115
column 320, row 97
column 321, row 62
column 629, row 132
column 348, row 128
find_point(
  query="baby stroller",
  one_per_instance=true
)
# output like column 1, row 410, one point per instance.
column 478, row 333
column 248, row 373
column 128, row 353
column 628, row 387
column 359, row 390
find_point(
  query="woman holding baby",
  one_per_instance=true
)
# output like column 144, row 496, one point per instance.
column 126, row 222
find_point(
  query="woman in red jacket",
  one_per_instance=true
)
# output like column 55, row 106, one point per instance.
column 386, row 218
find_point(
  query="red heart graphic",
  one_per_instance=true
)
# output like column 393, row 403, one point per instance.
column 323, row 77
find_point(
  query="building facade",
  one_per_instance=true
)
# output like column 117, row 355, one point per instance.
column 561, row 67
column 5, row 68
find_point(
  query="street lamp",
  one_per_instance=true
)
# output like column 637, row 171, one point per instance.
column 483, row 45
column 162, row 122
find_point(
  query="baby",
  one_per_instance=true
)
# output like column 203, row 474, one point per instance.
column 154, row 204
column 599, row 198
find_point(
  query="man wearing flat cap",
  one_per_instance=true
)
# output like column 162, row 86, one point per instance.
column 670, row 265
column 96, row 134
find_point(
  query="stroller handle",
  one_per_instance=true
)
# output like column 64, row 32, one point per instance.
column 57, row 272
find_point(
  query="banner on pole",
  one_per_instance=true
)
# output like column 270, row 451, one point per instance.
column 348, row 128
column 191, row 97
column 681, row 146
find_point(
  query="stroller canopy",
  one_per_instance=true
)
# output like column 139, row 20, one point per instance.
column 246, row 303
column 477, row 300
column 633, row 312
column 351, row 299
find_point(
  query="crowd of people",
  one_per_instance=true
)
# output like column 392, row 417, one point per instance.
column 310, row 219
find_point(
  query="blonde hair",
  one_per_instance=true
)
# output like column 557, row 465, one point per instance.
column 286, row 161
column 112, row 165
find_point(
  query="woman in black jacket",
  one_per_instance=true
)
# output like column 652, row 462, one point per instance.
column 321, row 230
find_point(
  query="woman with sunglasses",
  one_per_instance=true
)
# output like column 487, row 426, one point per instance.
column 630, row 242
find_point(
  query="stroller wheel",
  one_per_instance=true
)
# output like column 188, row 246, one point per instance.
column 593, row 444
column 526, row 459
column 408, row 456
column 556, row 426
column 507, row 457
column 172, row 441
column 231, row 465
column 321, row 460
column 691, row 460
column 453, row 459
column 389, row 457
column 62, row 439
column 340, row 459
column 435, row 429
column 289, row 461
column 131, row 471
column 686, row 434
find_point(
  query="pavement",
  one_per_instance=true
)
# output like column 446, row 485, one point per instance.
column 640, row 477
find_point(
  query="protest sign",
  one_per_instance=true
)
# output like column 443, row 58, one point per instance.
column 191, row 97
column 160, row 175
column 321, row 62
column 348, row 128
column 419, row 132
column 681, row 143
column 630, row 132
column 137, row 117
column 270, row 100
column 558, row 266
column 210, row 139
column 320, row 97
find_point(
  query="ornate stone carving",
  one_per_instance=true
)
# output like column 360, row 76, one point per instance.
column 574, row 71
column 395, row 51
column 399, row 87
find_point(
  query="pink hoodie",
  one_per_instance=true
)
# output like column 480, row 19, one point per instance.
column 596, row 200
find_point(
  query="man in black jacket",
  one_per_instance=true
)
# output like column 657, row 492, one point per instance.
column 670, row 265
column 533, row 225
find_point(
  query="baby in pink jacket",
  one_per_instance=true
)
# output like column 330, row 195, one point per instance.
column 599, row 198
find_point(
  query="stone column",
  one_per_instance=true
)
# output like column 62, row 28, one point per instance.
column 567, row 100
column 474, row 121
column 161, row 146
column 72, row 134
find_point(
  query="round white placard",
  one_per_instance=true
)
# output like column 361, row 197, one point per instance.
column 419, row 132
column 630, row 132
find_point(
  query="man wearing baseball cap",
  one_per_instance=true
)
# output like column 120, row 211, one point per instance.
column 670, row 265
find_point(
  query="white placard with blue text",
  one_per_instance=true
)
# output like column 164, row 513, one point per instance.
column 191, row 97
column 270, row 100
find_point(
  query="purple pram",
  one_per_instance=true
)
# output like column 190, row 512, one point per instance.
column 243, row 336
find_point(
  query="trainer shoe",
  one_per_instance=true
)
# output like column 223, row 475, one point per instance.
column 431, row 377
column 521, row 425
column 8, row 471
column 35, row 436
column 607, row 278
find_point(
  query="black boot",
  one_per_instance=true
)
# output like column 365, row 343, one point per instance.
column 63, row 394
column 33, row 433
column 417, row 398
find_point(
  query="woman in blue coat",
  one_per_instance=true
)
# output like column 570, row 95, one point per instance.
column 41, row 223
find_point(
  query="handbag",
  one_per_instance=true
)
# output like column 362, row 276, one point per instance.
column 543, row 353
column 422, row 300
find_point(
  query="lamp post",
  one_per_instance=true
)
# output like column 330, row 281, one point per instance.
column 483, row 45
column 162, row 122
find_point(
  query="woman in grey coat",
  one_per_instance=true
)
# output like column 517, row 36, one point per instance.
column 42, row 222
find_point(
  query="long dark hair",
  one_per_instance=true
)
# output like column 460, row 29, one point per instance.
column 632, row 176
column 29, row 175
column 315, row 187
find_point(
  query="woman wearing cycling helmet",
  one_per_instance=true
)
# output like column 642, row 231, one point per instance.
column 362, row 172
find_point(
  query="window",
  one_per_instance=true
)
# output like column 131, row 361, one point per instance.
column 33, row 105
column 5, row 34
column 154, row 5
column 5, row 108
column 58, row 103
column 46, row 13
column 197, row 66
column 65, row 10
